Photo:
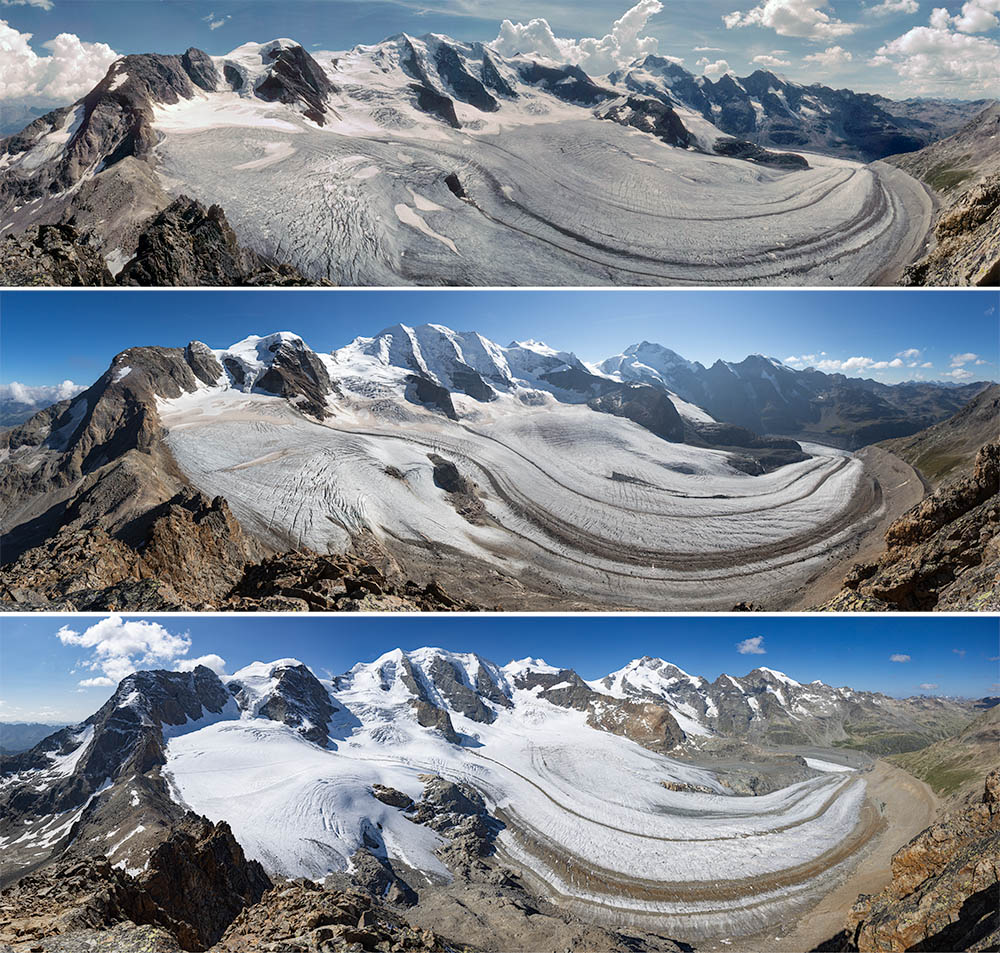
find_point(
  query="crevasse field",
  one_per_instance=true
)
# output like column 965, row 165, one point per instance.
column 585, row 812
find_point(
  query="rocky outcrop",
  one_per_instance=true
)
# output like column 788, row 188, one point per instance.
column 306, row 582
column 304, row 916
column 967, row 249
column 646, row 723
column 197, row 881
column 52, row 255
column 942, row 554
column 201, row 876
column 187, row 244
column 296, row 699
column 749, row 152
column 944, row 888
column 648, row 115
column 645, row 405
column 295, row 77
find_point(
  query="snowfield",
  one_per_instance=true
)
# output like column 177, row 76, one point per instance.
column 585, row 811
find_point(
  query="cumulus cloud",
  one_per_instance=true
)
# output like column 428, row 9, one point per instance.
column 941, row 57
column 215, row 662
column 830, row 57
column 957, row 360
column 977, row 16
column 891, row 7
column 713, row 69
column 119, row 647
column 899, row 657
column 595, row 56
column 802, row 18
column 911, row 353
column 40, row 395
column 753, row 646
column 770, row 61
column 960, row 374
column 71, row 68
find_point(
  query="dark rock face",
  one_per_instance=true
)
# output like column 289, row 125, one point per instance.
column 750, row 452
column 199, row 66
column 569, row 83
column 448, row 681
column 942, row 554
column 295, row 77
column 52, row 255
column 203, row 363
column 298, row 700
column 202, row 877
column 392, row 797
column 944, row 888
column 422, row 390
column 648, row 115
column 437, row 104
column 466, row 87
column 296, row 372
column 374, row 874
column 645, row 405
column 740, row 149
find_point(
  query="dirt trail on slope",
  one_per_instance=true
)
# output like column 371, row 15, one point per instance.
column 902, row 488
column 910, row 807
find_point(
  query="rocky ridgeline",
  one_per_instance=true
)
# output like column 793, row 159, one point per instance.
column 195, row 884
column 944, row 888
column 185, row 244
column 944, row 553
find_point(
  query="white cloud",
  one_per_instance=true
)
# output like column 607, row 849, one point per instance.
column 71, row 68
column 42, row 4
column 960, row 374
column 708, row 49
column 959, row 652
column 830, row 57
column 802, row 18
column 754, row 646
column 890, row 7
column 936, row 58
column 595, row 56
column 100, row 681
column 121, row 647
column 713, row 69
column 927, row 364
column 215, row 662
column 977, row 16
column 41, row 394
column 911, row 353
column 957, row 360
column 215, row 22
column 770, row 61
column 898, row 657
column 928, row 686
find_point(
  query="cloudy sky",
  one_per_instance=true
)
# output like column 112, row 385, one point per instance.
column 890, row 335
column 62, row 670
column 52, row 51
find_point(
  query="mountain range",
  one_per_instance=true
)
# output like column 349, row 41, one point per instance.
column 431, row 158
column 419, row 762
column 425, row 452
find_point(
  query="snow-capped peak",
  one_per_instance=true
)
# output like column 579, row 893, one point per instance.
column 523, row 666
column 779, row 676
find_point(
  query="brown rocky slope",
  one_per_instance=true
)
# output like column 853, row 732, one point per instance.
column 942, row 554
column 945, row 888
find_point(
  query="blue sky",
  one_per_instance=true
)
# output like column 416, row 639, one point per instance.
column 868, row 45
column 83, row 330
column 40, row 674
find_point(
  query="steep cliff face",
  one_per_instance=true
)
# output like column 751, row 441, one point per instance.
column 944, row 889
